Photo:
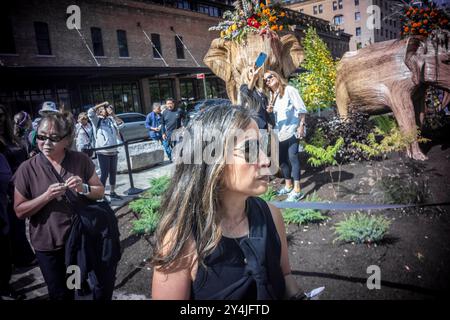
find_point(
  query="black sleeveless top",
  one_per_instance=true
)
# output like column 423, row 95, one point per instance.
column 246, row 268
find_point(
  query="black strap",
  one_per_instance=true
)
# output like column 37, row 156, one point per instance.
column 68, row 195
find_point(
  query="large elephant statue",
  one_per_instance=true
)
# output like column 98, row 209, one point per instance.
column 231, row 60
column 394, row 75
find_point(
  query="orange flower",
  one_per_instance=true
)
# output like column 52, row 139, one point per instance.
column 282, row 14
column 273, row 19
column 425, row 21
column 281, row 28
column 261, row 5
column 406, row 29
column 421, row 31
column 419, row 24
column 274, row 28
column 426, row 15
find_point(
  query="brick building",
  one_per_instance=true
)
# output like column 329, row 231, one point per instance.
column 42, row 59
column 352, row 16
column 110, row 57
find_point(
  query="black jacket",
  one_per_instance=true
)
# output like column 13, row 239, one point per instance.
column 94, row 246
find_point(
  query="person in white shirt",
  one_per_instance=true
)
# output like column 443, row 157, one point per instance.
column 289, row 111
column 106, row 126
column 84, row 134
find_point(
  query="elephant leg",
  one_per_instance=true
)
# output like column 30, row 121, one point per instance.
column 342, row 101
column 420, row 105
column 446, row 99
column 403, row 109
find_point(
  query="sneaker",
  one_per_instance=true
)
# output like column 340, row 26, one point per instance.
column 115, row 196
column 284, row 191
column 295, row 196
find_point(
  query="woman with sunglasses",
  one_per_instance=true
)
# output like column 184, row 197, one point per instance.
column 289, row 111
column 40, row 197
column 216, row 238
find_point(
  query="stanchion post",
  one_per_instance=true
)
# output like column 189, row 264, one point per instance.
column 132, row 190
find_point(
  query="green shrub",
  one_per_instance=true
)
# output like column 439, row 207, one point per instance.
column 404, row 190
column 304, row 216
column 148, row 211
column 158, row 186
column 269, row 195
column 148, row 206
column 384, row 123
column 362, row 228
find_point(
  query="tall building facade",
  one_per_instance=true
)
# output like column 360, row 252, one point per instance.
column 130, row 53
column 355, row 17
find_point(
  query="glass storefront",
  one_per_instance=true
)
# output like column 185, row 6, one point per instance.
column 30, row 99
column 124, row 96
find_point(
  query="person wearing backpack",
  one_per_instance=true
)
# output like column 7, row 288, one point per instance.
column 107, row 134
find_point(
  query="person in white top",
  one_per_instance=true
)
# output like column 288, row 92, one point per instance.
column 289, row 111
column 106, row 126
column 84, row 134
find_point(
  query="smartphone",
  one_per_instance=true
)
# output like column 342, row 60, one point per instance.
column 260, row 60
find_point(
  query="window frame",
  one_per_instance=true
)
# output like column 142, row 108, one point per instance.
column 122, row 37
column 42, row 39
column 97, row 42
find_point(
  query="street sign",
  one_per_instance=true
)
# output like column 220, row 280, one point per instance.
column 200, row 76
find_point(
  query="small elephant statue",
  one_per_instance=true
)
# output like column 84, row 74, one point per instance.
column 231, row 60
column 393, row 75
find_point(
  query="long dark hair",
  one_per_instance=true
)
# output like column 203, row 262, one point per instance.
column 8, row 127
column 191, row 203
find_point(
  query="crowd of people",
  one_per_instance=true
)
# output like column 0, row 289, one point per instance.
column 215, row 236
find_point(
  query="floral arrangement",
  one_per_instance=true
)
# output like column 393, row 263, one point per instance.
column 422, row 17
column 251, row 16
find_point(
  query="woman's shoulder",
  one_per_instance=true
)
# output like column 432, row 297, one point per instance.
column 270, row 210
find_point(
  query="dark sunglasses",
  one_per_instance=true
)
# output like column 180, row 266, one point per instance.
column 55, row 139
column 268, row 78
column 251, row 149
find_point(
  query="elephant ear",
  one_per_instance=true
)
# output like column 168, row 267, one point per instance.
column 292, row 54
column 217, row 59
column 414, row 60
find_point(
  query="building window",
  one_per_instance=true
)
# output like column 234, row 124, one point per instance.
column 357, row 16
column 338, row 20
column 381, row 31
column 157, row 44
column 340, row 4
column 160, row 90
column 358, row 31
column 358, row 45
column 392, row 35
column 387, row 32
column 320, row 8
column 390, row 22
column 122, row 43
column 395, row 24
column 213, row 11
column 315, row 9
column 7, row 44
column 180, row 47
column 356, row 2
column 97, row 42
column 42, row 38
column 395, row 35
column 183, row 5
column 334, row 5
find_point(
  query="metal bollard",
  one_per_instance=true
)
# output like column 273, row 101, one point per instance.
column 132, row 190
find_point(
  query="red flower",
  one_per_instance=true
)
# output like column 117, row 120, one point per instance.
column 252, row 22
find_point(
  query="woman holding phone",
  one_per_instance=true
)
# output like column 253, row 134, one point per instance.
column 289, row 112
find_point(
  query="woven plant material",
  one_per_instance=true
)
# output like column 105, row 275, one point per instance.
column 393, row 75
column 231, row 60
